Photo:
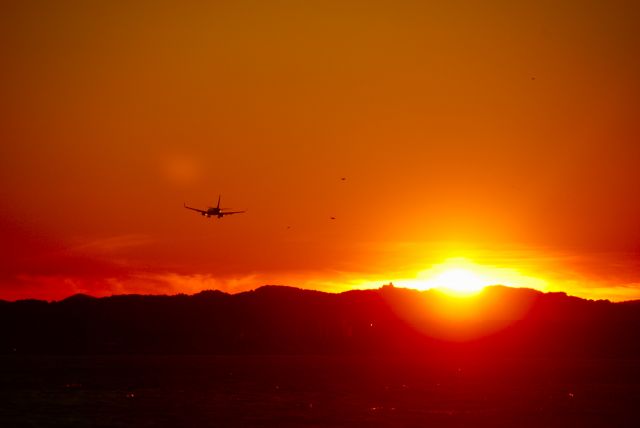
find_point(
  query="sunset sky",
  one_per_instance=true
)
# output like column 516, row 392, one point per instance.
column 494, row 137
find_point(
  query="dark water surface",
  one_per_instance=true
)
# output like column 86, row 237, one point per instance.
column 314, row 391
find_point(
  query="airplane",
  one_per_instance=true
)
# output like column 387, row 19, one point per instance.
column 214, row 211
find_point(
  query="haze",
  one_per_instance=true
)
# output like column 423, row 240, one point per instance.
column 504, row 135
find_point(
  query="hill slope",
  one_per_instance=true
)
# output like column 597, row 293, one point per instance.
column 276, row 319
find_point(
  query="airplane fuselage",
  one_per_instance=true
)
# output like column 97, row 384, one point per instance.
column 212, row 211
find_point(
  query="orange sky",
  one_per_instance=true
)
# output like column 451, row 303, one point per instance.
column 505, row 133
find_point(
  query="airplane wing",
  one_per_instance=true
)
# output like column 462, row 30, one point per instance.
column 231, row 212
column 194, row 209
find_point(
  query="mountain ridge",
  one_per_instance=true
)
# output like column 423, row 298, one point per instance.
column 266, row 287
column 290, row 320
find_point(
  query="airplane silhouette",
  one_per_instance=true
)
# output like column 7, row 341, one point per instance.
column 214, row 211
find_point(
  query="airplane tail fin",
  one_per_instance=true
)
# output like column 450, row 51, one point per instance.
column 218, row 206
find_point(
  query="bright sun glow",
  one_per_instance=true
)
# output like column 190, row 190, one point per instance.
column 461, row 277
column 459, row 281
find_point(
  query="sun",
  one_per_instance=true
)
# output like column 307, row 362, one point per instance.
column 459, row 282
column 459, row 277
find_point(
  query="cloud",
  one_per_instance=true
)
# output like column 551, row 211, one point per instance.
column 172, row 283
column 113, row 244
column 56, row 286
column 599, row 291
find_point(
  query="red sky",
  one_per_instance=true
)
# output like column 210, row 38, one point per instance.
column 505, row 133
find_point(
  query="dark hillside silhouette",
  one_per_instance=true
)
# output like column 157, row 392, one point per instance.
column 287, row 320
